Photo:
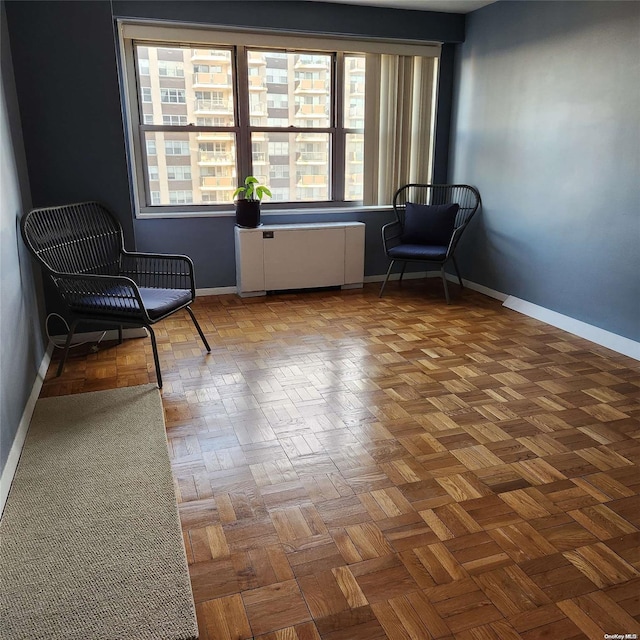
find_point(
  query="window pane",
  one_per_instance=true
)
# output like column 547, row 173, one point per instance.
column 295, row 166
column 191, row 168
column 171, row 68
column 172, row 120
column 183, row 196
column 354, row 83
column 176, row 96
column 181, row 86
column 354, row 167
column 289, row 89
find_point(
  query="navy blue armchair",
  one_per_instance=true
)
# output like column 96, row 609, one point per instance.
column 81, row 249
column 430, row 220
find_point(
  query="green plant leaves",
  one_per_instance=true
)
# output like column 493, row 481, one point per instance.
column 250, row 188
column 262, row 191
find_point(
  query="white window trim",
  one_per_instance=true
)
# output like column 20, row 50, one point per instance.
column 161, row 32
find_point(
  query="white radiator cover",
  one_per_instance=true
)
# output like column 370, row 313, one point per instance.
column 299, row 256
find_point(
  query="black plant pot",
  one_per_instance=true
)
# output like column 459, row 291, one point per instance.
column 248, row 213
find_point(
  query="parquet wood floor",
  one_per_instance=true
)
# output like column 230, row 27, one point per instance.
column 351, row 467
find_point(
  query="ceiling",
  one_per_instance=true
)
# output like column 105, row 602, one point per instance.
column 447, row 6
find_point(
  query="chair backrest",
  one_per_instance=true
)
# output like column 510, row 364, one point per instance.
column 465, row 196
column 75, row 238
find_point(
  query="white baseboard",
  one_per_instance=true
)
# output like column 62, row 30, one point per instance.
column 412, row 275
column 18, row 441
column 95, row 336
column 216, row 291
column 612, row 341
column 492, row 293
column 604, row 338
column 220, row 291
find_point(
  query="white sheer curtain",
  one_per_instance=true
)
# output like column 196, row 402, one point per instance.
column 399, row 118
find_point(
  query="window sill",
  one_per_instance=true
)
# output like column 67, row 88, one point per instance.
column 266, row 213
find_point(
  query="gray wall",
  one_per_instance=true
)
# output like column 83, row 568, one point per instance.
column 66, row 71
column 21, row 343
column 546, row 126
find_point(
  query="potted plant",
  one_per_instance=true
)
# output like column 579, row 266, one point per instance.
column 248, row 199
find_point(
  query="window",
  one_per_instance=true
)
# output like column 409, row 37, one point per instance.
column 173, row 95
column 217, row 172
column 170, row 68
column 278, row 148
column 277, row 76
column 278, row 101
column 280, row 193
column 295, row 111
column 216, row 121
column 277, row 171
column 180, row 172
column 207, row 68
column 181, row 197
column 213, row 151
column 176, row 147
column 172, row 120
column 213, row 197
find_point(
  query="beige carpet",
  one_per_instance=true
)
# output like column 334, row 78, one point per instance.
column 90, row 541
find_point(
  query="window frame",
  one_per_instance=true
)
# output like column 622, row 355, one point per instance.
column 148, row 33
column 334, row 131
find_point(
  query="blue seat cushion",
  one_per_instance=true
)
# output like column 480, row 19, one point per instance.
column 431, row 224
column 158, row 302
column 418, row 252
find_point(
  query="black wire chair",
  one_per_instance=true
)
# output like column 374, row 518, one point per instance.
column 457, row 201
column 81, row 249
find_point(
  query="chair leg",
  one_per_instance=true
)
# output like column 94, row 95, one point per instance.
column 119, row 334
column 384, row 284
column 155, row 355
column 67, row 344
column 444, row 282
column 404, row 266
column 206, row 344
column 455, row 266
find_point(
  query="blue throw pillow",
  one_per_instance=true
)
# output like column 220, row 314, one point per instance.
column 430, row 224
